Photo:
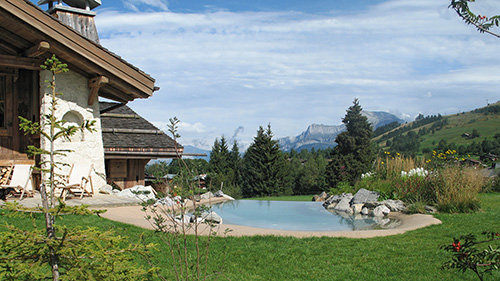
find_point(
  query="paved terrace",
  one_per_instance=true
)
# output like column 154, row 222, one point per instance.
column 96, row 201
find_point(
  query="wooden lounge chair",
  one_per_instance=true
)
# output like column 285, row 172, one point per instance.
column 21, row 181
column 77, row 181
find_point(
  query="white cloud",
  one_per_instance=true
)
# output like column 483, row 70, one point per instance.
column 136, row 5
column 219, row 70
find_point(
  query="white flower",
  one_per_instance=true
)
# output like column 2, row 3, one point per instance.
column 421, row 172
column 369, row 174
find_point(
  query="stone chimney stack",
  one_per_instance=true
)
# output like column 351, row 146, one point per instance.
column 78, row 15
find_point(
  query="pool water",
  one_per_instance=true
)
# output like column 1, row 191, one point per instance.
column 288, row 215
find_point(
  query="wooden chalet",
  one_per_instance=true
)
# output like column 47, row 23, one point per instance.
column 28, row 36
column 130, row 142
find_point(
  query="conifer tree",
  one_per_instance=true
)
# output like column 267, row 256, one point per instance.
column 236, row 166
column 353, row 154
column 224, row 167
column 265, row 171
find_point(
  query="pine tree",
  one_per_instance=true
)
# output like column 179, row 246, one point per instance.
column 234, row 172
column 353, row 154
column 219, row 162
column 265, row 171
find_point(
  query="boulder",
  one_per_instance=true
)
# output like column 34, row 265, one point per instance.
column 335, row 199
column 219, row 193
column 356, row 208
column 372, row 205
column 321, row 197
column 381, row 211
column 344, row 204
column 394, row 205
column 183, row 219
column 195, row 219
column 365, row 211
column 143, row 193
column 430, row 209
column 207, row 195
column 166, row 201
column 211, row 217
column 364, row 195
column 227, row 197
column 330, row 206
column 106, row 189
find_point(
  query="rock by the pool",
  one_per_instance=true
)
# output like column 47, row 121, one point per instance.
column 211, row 217
column 144, row 193
column 333, row 200
column 364, row 195
column 394, row 205
column 381, row 211
column 320, row 198
column 344, row 205
column 207, row 195
column 357, row 208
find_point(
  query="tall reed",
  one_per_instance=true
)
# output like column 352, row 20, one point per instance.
column 391, row 166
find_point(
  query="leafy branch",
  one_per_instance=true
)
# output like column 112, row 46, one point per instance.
column 481, row 22
column 468, row 256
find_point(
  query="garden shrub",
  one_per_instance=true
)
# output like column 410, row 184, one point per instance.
column 414, row 187
column 492, row 185
column 417, row 207
column 342, row 187
column 384, row 187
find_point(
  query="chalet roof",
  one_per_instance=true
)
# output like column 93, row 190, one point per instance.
column 125, row 134
column 29, row 36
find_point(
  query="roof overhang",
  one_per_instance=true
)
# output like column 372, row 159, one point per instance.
column 24, row 26
column 141, row 153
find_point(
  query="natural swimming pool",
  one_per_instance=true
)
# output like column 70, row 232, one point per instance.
column 287, row 215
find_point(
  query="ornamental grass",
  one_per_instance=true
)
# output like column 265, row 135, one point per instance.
column 457, row 187
column 391, row 166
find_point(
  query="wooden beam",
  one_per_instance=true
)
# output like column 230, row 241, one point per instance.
column 20, row 62
column 37, row 50
column 94, row 85
column 132, row 131
column 89, row 54
column 110, row 92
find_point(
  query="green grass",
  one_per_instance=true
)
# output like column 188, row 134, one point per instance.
column 284, row 198
column 414, row 255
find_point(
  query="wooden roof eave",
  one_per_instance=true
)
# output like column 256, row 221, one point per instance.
column 82, row 54
column 141, row 155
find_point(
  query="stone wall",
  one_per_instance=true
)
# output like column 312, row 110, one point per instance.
column 87, row 147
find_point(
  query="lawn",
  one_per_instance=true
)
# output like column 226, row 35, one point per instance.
column 414, row 255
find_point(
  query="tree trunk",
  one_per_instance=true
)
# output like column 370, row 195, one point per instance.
column 51, row 233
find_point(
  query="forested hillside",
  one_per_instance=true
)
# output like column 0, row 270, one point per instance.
column 469, row 133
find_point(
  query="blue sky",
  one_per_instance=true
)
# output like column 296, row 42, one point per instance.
column 226, row 67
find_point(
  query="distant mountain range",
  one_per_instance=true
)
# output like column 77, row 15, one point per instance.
column 189, row 149
column 323, row 136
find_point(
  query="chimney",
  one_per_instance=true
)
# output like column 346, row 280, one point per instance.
column 77, row 15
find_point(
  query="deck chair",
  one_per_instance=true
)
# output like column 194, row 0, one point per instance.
column 77, row 181
column 21, row 180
